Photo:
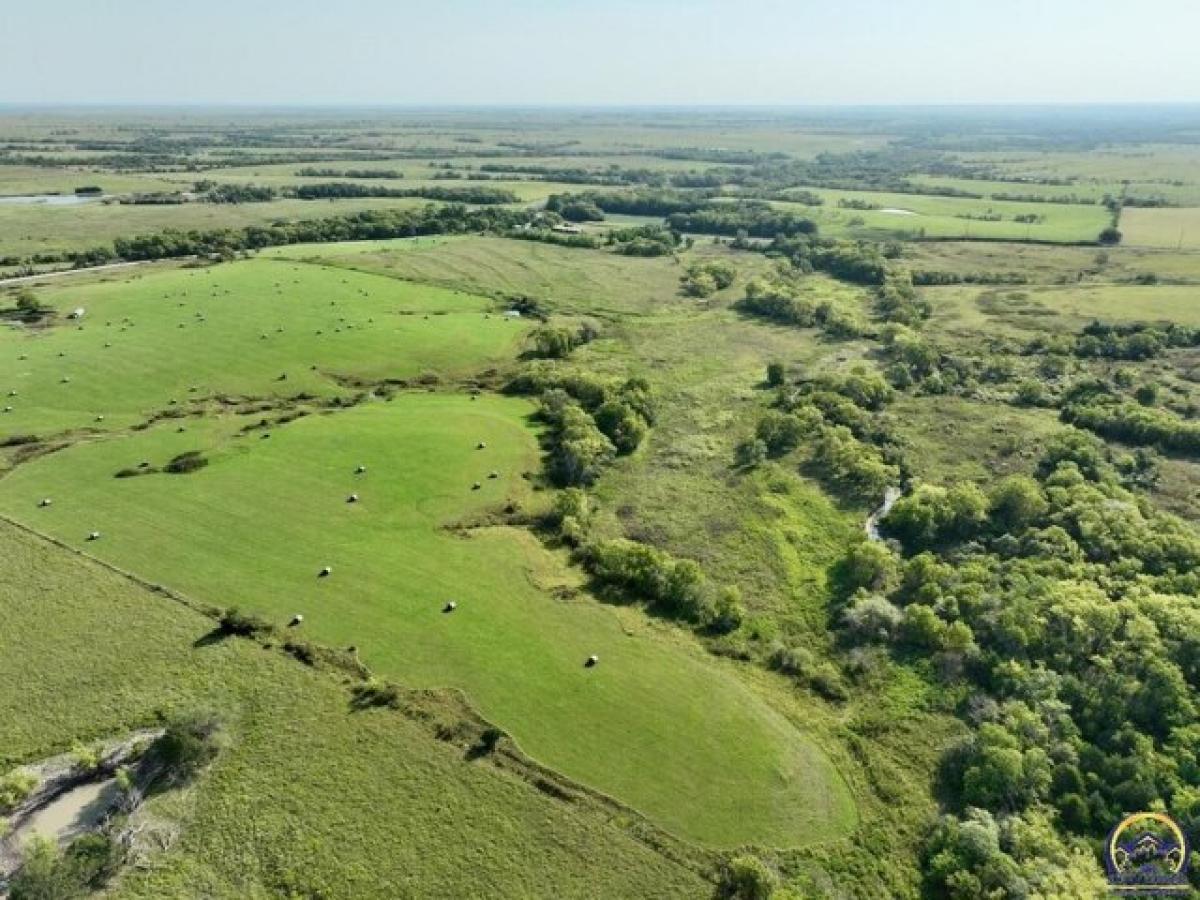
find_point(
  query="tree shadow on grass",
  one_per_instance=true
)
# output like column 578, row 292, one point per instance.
column 216, row 636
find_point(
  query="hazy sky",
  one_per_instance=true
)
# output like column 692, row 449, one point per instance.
column 717, row 52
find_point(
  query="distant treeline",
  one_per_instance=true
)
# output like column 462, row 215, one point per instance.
column 615, row 176
column 382, row 224
column 311, row 172
column 338, row 190
column 348, row 189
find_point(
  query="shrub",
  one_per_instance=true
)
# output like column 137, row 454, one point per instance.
column 234, row 621
column 699, row 284
column 851, row 464
column 748, row 878
column 870, row 565
column 775, row 374
column 85, row 758
column 553, row 341
column 621, row 425
column 1146, row 394
column 45, row 874
column 14, row 788
column 191, row 461
column 376, row 693
column 872, row 617
column 779, row 432
column 728, row 611
column 750, row 453
column 186, row 746
column 1031, row 392
column 933, row 515
column 705, row 279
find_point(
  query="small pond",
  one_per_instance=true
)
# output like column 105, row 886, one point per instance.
column 53, row 199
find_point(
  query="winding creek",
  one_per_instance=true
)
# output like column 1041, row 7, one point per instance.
column 890, row 496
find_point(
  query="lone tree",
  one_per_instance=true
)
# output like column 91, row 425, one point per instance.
column 1110, row 235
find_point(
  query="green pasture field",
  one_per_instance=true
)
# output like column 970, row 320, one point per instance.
column 28, row 229
column 255, row 527
column 86, row 655
column 920, row 215
column 250, row 330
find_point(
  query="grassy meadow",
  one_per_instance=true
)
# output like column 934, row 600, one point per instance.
column 246, row 531
column 302, row 767
column 260, row 330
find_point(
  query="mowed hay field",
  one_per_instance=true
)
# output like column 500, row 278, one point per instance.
column 309, row 798
column 658, row 716
column 1168, row 227
column 258, row 329
column 918, row 215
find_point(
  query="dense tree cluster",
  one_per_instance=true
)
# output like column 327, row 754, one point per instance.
column 643, row 240
column 1135, row 423
column 574, row 208
column 645, row 202
column 785, row 300
column 314, row 172
column 240, row 193
column 747, row 217
column 830, row 416
column 591, row 420
column 1062, row 609
column 557, row 341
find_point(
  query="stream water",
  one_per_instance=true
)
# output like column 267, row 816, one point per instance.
column 890, row 496
column 70, row 815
